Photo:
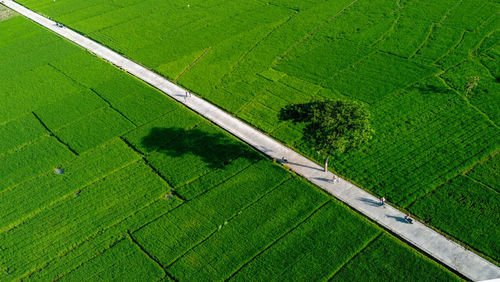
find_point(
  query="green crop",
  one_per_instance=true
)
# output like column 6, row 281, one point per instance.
column 378, row 259
column 487, row 172
column 151, row 190
column 299, row 255
column 116, row 263
column 464, row 204
column 241, row 238
column 94, row 129
column 20, row 132
column 84, row 214
column 39, row 157
column 21, row 203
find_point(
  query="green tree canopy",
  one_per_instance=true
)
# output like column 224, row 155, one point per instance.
column 331, row 127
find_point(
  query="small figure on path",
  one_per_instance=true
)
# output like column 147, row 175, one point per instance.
column 58, row 171
column 335, row 179
column 283, row 160
column 408, row 219
column 382, row 201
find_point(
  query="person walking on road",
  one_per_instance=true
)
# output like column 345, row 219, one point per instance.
column 335, row 179
column 408, row 218
column 382, row 201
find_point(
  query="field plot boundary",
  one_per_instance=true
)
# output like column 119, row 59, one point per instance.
column 422, row 237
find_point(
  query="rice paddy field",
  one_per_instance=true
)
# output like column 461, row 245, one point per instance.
column 104, row 178
column 427, row 70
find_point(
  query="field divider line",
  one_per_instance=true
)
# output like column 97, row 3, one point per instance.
column 45, row 172
column 446, row 251
column 193, row 63
column 216, row 185
column 486, row 186
column 424, row 43
column 158, row 216
column 97, row 254
column 132, row 147
column 92, row 237
column 51, row 133
column 366, row 245
column 24, row 145
column 235, row 66
column 478, row 60
column 433, row 27
column 227, row 220
column 161, row 176
column 447, row 176
column 314, row 29
column 155, row 260
column 482, row 161
column 467, row 100
column 56, row 201
column 271, row 244
column 450, row 51
column 112, row 107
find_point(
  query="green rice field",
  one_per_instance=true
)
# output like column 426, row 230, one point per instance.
column 427, row 70
column 148, row 190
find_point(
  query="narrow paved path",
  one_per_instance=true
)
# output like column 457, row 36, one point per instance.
column 424, row 238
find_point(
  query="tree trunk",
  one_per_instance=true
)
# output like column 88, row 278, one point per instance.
column 326, row 163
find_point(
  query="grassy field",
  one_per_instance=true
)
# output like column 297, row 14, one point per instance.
column 150, row 190
column 427, row 70
column 471, row 204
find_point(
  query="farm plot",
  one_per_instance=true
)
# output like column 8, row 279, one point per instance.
column 415, row 64
column 390, row 250
column 487, row 172
column 475, row 194
column 422, row 160
column 104, row 177
column 115, row 264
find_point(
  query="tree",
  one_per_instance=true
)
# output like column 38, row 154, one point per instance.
column 331, row 127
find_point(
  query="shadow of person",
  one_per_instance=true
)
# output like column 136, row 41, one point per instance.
column 214, row 148
column 370, row 202
column 398, row 218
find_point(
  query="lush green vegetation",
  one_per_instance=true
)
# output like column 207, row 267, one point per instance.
column 426, row 70
column 331, row 127
column 313, row 234
column 464, row 204
column 115, row 265
column 487, row 172
column 149, row 190
column 388, row 251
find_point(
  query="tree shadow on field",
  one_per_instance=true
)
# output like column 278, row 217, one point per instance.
column 298, row 112
column 215, row 149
